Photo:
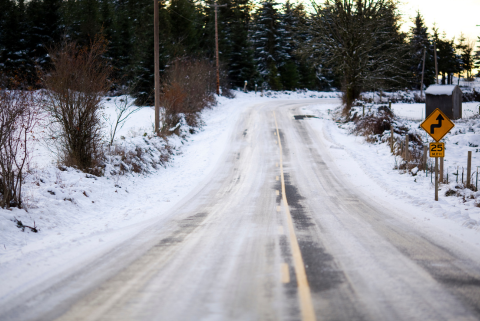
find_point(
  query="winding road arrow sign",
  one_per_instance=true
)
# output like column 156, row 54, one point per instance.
column 437, row 124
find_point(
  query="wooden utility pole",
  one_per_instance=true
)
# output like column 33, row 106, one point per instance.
column 435, row 57
column 423, row 71
column 156, row 66
column 216, row 6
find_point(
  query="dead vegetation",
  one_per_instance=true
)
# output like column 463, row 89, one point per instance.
column 188, row 88
column 18, row 116
column 376, row 124
column 75, row 87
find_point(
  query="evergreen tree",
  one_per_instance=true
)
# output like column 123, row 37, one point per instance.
column 447, row 60
column 266, row 37
column 186, row 25
column 44, row 29
column 15, row 54
column 420, row 41
column 142, row 65
column 288, row 27
column 465, row 50
column 310, row 77
column 235, row 48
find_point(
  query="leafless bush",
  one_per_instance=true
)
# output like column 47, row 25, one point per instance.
column 375, row 127
column 18, row 116
column 124, row 108
column 373, row 124
column 75, row 87
column 188, row 88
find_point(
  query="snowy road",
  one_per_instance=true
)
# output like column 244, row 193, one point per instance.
column 234, row 250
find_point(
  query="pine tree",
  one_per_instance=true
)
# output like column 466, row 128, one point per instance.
column 15, row 55
column 420, row 41
column 448, row 61
column 186, row 25
column 266, row 37
column 310, row 77
column 44, row 29
column 142, row 63
column 235, row 48
column 465, row 50
column 288, row 27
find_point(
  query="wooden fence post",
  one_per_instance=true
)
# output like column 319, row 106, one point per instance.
column 469, row 167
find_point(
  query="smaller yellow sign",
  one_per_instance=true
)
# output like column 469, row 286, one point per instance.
column 437, row 149
column 437, row 124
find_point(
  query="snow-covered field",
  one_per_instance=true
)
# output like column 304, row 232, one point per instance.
column 79, row 214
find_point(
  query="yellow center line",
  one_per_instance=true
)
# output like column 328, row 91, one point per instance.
column 305, row 297
column 285, row 273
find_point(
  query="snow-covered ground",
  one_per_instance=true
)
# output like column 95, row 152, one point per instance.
column 78, row 214
column 371, row 168
column 90, row 214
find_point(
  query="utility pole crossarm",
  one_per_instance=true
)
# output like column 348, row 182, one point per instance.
column 216, row 6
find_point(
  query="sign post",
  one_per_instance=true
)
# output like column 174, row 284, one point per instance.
column 437, row 125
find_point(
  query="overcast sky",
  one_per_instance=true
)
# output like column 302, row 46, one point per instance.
column 451, row 16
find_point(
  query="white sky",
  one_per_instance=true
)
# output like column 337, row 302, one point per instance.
column 451, row 16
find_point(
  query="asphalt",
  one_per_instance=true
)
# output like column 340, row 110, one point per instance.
column 223, row 255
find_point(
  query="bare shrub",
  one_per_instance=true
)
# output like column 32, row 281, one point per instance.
column 188, row 88
column 373, row 124
column 18, row 116
column 123, row 109
column 75, row 87
column 375, row 127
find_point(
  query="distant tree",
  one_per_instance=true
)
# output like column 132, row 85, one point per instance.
column 234, row 43
column 186, row 24
column 448, row 60
column 142, row 56
column 359, row 41
column 310, row 77
column 418, row 42
column 15, row 52
column 266, row 38
column 289, row 26
column 44, row 29
column 477, row 58
column 465, row 50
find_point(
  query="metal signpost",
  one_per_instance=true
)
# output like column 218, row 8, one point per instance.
column 437, row 125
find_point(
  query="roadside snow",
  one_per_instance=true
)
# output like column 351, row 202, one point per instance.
column 370, row 168
column 80, row 215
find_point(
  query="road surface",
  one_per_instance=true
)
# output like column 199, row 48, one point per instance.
column 277, row 234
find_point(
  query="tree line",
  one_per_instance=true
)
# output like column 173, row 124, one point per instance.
column 348, row 44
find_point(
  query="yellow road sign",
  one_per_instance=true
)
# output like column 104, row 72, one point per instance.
column 437, row 124
column 437, row 149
